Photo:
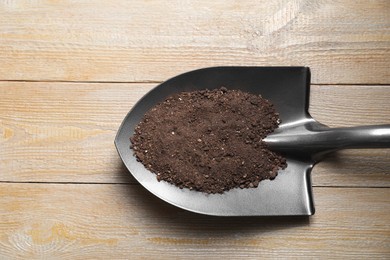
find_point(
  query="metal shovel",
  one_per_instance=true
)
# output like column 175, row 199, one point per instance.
column 300, row 138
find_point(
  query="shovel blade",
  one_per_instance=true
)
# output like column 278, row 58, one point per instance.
column 289, row 194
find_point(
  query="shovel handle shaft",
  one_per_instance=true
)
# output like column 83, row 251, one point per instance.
column 326, row 140
column 355, row 137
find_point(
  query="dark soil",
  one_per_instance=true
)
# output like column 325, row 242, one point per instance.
column 209, row 140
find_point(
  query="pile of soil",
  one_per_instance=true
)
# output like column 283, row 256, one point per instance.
column 209, row 140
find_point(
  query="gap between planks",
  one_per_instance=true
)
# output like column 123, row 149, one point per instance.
column 132, row 184
column 159, row 82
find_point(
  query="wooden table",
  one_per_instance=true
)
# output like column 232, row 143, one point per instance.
column 71, row 70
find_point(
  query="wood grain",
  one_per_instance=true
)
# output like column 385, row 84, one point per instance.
column 125, row 221
column 64, row 193
column 143, row 41
column 64, row 132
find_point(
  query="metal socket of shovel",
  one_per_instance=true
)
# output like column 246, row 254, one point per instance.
column 300, row 138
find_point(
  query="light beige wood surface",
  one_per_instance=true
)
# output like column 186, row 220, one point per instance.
column 125, row 221
column 342, row 41
column 71, row 70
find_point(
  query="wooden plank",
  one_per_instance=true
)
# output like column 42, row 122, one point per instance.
column 361, row 168
column 64, row 132
column 92, row 221
column 138, row 41
column 342, row 106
